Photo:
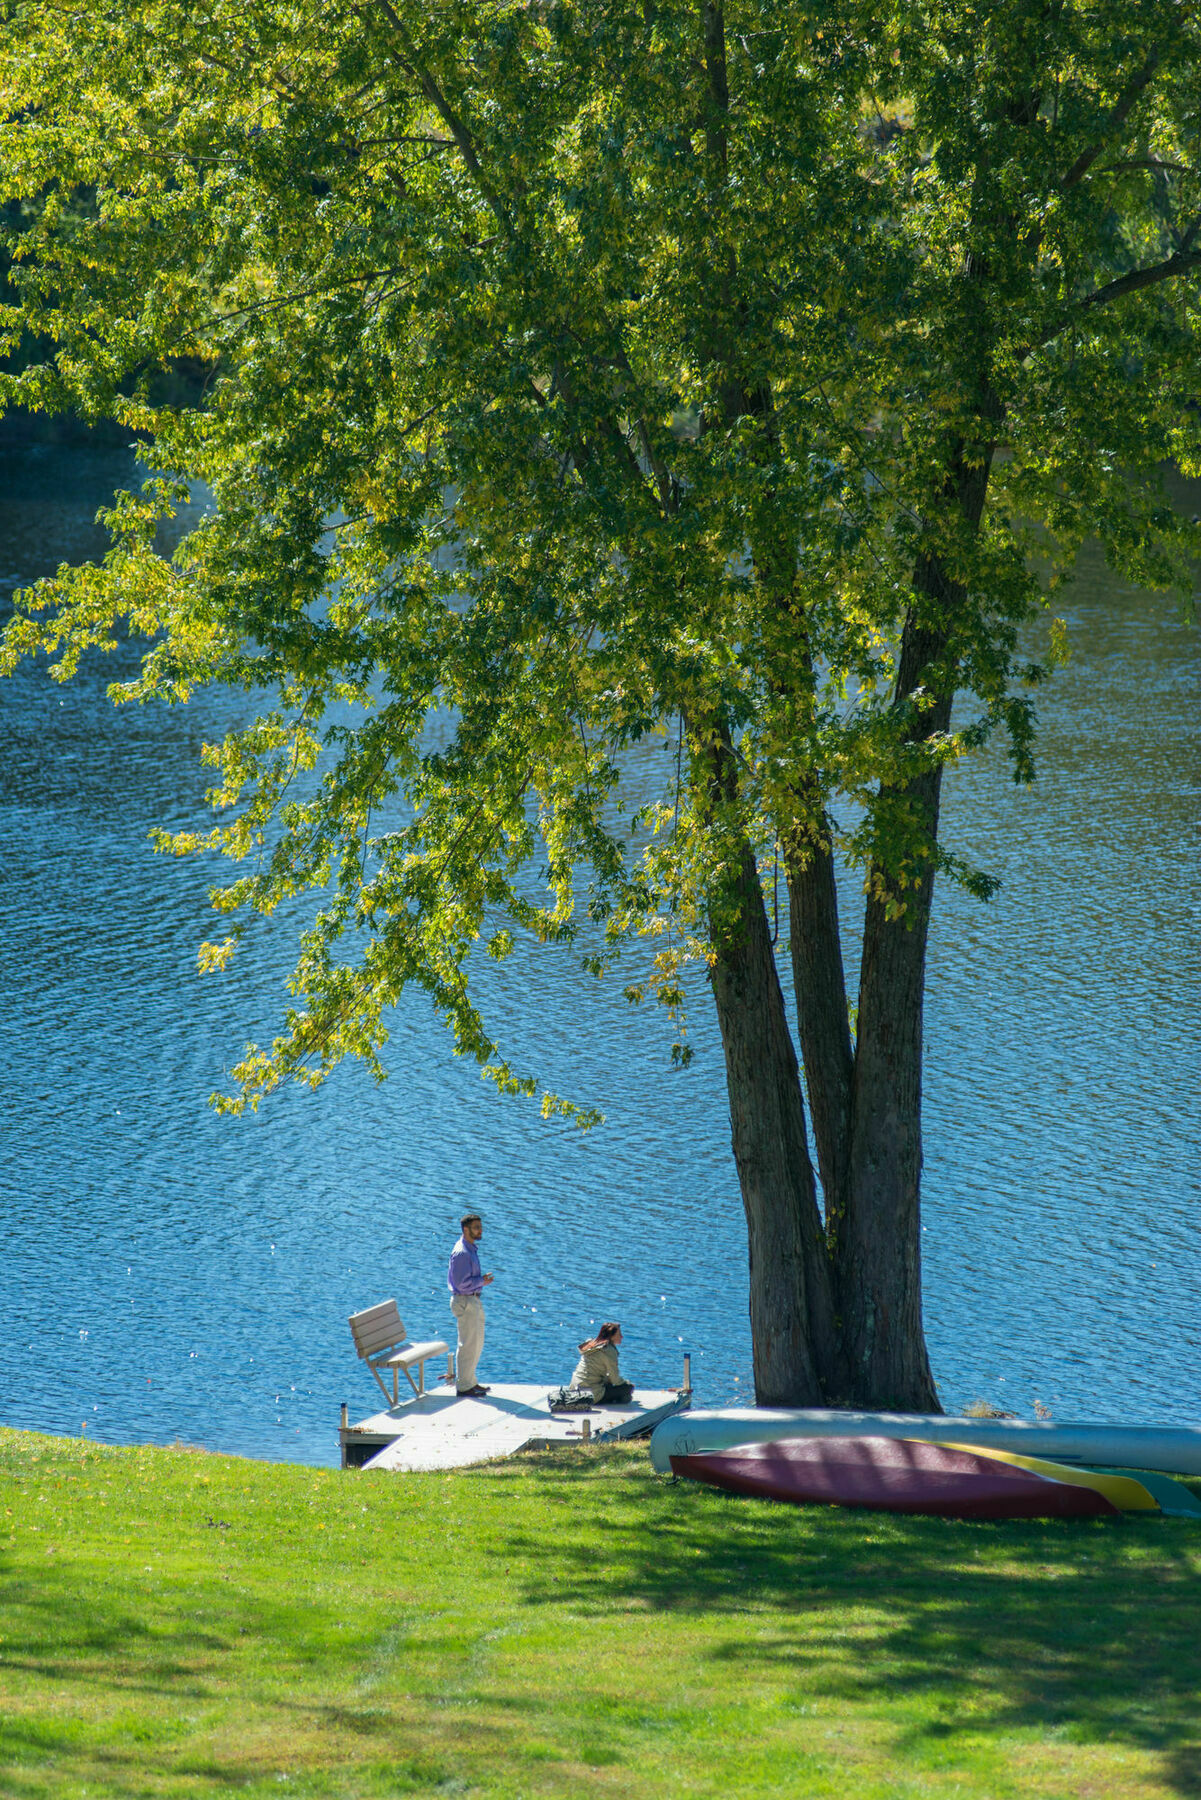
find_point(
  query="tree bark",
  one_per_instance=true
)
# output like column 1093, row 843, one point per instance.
column 793, row 1328
column 879, row 1248
column 819, row 982
column 879, row 1252
column 836, row 1308
column 793, row 1334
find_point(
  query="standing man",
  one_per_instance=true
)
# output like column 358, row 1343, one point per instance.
column 467, row 1282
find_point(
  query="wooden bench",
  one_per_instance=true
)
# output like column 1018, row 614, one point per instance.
column 379, row 1338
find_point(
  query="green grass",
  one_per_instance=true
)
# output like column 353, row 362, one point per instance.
column 174, row 1623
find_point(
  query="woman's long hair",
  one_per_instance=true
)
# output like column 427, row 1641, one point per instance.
column 605, row 1335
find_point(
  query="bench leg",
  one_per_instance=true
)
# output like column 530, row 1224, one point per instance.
column 380, row 1383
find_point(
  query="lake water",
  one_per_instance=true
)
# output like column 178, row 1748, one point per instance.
column 171, row 1274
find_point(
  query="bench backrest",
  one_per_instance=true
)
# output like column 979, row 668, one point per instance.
column 378, row 1328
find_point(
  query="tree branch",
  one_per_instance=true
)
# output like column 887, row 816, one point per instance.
column 449, row 117
column 1182, row 259
column 1118, row 115
column 429, row 139
column 1147, row 162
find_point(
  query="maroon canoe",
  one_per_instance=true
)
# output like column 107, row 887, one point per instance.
column 896, row 1474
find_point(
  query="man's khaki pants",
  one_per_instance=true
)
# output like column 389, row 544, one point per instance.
column 469, row 1312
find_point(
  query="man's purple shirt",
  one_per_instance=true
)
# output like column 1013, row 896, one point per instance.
column 464, row 1275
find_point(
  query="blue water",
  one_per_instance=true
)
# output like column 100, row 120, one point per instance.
column 172, row 1274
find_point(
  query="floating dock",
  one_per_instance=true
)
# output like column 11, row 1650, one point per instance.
column 444, row 1430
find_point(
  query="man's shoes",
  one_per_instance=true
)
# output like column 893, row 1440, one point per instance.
column 473, row 1393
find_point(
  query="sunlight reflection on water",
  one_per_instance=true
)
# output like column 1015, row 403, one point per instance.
column 172, row 1274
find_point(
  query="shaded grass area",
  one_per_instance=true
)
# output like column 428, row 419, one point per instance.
column 175, row 1623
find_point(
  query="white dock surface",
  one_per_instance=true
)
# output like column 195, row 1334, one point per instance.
column 440, row 1430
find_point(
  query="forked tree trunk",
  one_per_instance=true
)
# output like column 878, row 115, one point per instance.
column 878, row 1272
column 836, row 1308
column 793, row 1334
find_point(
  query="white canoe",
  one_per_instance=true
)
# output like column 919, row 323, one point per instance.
column 1172, row 1449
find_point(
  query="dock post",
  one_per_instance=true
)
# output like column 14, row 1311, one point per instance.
column 585, row 1429
column 687, row 1388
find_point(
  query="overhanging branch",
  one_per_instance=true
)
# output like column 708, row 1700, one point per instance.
column 1117, row 117
column 1179, row 263
column 458, row 130
column 1182, row 260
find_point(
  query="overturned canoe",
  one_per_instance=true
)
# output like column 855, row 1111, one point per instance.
column 909, row 1475
column 1174, row 1449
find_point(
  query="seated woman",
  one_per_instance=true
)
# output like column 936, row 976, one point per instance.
column 597, row 1373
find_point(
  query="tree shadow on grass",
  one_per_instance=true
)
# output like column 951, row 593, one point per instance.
column 63, row 1628
column 1083, row 1630
column 129, row 1691
column 1079, row 1630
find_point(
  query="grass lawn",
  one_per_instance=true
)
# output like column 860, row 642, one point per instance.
column 175, row 1623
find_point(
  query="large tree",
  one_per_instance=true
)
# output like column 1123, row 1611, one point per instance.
column 582, row 372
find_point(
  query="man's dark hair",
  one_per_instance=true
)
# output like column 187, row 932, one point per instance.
column 469, row 1219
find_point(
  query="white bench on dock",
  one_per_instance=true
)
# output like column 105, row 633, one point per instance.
column 379, row 1338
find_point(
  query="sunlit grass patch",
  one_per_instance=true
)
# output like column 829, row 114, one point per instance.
column 176, row 1624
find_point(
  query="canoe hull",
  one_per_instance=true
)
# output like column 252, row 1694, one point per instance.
column 1175, row 1450
column 892, row 1475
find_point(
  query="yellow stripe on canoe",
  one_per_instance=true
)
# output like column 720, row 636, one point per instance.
column 1121, row 1491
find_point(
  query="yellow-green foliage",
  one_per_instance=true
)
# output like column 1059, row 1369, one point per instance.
column 177, row 1623
column 589, row 380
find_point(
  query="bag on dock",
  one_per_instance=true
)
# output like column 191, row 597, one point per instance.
column 570, row 1400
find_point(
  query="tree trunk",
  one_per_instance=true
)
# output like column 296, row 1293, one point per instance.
column 879, row 1251
column 796, row 1360
column 878, row 1272
column 824, row 1028
column 878, row 1269
column 793, row 1328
